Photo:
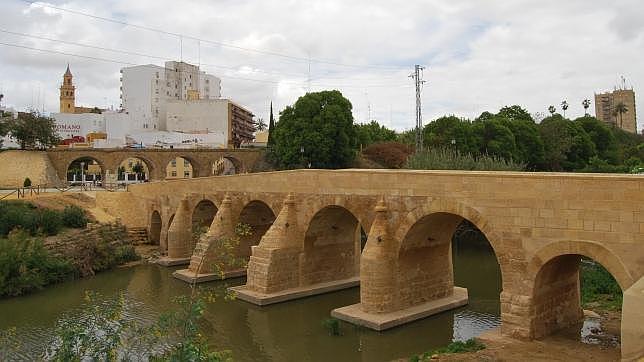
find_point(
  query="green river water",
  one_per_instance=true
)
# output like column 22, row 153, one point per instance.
column 290, row 331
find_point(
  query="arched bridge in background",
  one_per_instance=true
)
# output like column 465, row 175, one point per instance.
column 203, row 161
column 310, row 227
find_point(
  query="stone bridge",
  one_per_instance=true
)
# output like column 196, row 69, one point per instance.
column 309, row 230
column 156, row 160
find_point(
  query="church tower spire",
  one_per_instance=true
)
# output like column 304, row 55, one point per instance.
column 67, row 93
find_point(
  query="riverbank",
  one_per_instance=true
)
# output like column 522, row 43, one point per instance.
column 45, row 245
column 559, row 347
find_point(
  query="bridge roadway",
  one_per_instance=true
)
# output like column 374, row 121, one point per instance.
column 307, row 225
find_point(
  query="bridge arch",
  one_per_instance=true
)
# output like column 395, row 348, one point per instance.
column 227, row 165
column 589, row 249
column 332, row 246
column 455, row 208
column 555, row 281
column 203, row 213
column 156, row 225
column 89, row 173
column 424, row 260
column 259, row 216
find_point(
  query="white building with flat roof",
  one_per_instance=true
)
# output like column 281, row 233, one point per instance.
column 146, row 89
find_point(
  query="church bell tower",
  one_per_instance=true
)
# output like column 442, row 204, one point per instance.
column 67, row 96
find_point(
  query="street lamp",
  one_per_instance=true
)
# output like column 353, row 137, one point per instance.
column 302, row 155
column 82, row 173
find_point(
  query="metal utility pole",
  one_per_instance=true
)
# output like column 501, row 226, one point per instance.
column 417, row 76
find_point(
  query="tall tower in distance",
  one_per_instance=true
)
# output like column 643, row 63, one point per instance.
column 67, row 93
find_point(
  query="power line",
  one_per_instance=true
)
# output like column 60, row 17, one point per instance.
column 127, row 52
column 126, row 63
column 131, row 53
column 218, row 43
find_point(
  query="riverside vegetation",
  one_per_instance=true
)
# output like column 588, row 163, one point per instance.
column 40, row 246
column 103, row 331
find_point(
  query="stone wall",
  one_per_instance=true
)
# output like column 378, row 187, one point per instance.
column 15, row 166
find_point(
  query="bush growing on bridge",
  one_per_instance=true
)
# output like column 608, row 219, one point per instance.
column 27, row 182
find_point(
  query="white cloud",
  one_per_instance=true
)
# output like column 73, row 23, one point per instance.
column 480, row 55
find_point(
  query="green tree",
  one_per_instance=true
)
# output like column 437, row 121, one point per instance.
column 494, row 138
column 529, row 147
column 515, row 113
column 567, row 145
column 528, row 143
column 138, row 169
column 602, row 137
column 450, row 132
column 32, row 130
column 373, row 132
column 318, row 129
column 407, row 137
column 271, row 128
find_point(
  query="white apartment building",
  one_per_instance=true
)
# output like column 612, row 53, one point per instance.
column 146, row 89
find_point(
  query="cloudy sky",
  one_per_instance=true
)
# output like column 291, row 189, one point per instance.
column 480, row 55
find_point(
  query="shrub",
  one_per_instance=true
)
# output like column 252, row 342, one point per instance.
column 74, row 217
column 447, row 159
column 389, row 154
column 26, row 266
column 27, row 182
column 18, row 215
column 49, row 222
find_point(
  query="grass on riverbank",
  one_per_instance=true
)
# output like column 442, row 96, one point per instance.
column 471, row 345
column 599, row 289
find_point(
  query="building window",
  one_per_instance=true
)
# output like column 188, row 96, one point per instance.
column 186, row 174
column 207, row 81
column 186, row 163
column 174, row 173
column 157, row 75
column 173, row 163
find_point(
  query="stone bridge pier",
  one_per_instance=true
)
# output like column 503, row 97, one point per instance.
column 313, row 247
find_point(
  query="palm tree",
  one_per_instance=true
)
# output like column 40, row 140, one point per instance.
column 564, row 106
column 620, row 109
column 586, row 104
column 260, row 125
column 552, row 110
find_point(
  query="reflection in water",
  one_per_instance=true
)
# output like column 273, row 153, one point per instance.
column 281, row 332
